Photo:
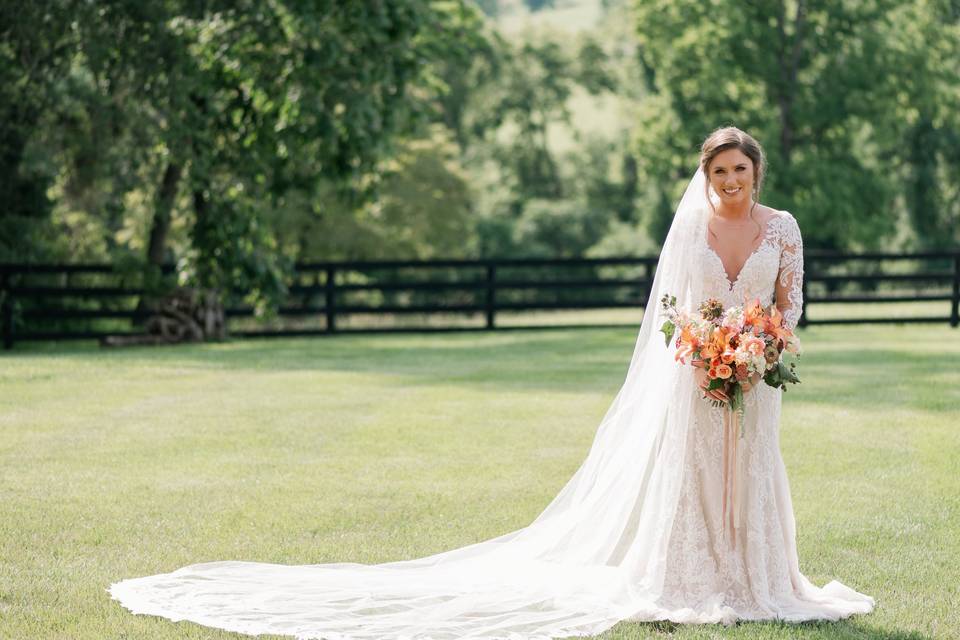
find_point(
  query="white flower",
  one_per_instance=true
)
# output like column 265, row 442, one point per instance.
column 741, row 355
column 793, row 345
column 733, row 319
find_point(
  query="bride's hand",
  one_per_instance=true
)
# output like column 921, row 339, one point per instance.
column 703, row 380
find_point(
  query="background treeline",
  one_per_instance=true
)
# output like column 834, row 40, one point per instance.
column 237, row 137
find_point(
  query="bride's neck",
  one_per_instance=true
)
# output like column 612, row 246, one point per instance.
column 735, row 213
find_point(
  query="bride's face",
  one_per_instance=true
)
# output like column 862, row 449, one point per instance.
column 731, row 176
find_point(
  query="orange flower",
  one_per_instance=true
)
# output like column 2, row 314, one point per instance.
column 687, row 343
column 712, row 372
column 717, row 344
column 724, row 371
column 727, row 356
column 753, row 313
column 687, row 336
column 775, row 316
column 773, row 324
column 681, row 354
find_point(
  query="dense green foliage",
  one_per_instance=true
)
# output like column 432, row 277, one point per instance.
column 128, row 117
column 234, row 138
column 116, row 464
column 851, row 101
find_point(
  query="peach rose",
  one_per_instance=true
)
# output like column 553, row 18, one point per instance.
column 724, row 371
column 753, row 345
column 727, row 356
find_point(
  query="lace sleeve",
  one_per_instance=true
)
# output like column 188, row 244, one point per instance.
column 789, row 287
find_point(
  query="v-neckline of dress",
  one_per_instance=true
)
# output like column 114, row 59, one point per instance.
column 731, row 284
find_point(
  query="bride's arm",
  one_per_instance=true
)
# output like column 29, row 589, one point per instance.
column 789, row 287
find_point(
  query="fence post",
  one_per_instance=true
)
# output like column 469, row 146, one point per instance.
column 330, row 301
column 955, row 304
column 491, row 291
column 6, row 311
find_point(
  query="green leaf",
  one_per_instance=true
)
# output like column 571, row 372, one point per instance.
column 786, row 373
column 772, row 378
column 736, row 400
column 667, row 329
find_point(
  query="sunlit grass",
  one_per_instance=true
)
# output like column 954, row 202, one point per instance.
column 116, row 464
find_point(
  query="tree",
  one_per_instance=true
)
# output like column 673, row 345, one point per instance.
column 924, row 129
column 221, row 111
column 799, row 75
column 36, row 44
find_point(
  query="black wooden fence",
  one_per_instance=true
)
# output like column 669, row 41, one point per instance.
column 59, row 302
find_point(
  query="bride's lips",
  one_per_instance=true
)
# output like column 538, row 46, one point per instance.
column 732, row 192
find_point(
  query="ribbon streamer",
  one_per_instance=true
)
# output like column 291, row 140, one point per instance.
column 732, row 481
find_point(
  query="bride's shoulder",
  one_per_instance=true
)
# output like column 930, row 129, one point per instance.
column 769, row 213
column 783, row 223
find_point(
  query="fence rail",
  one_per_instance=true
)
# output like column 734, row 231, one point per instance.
column 56, row 302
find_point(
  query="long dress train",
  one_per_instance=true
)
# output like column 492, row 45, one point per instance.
column 636, row 534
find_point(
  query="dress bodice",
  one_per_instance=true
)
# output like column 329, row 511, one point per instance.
column 778, row 258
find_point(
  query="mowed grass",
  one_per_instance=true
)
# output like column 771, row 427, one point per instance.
column 116, row 464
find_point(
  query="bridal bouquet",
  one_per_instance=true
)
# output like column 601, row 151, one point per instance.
column 732, row 344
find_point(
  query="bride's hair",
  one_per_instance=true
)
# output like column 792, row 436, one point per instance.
column 733, row 138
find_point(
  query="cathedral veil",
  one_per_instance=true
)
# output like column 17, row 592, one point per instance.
column 594, row 556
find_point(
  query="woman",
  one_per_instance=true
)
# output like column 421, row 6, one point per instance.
column 656, row 524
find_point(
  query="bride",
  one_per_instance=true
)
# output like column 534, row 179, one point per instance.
column 643, row 530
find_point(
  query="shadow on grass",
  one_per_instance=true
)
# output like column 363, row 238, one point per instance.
column 585, row 359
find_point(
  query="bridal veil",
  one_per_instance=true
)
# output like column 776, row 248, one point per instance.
column 594, row 556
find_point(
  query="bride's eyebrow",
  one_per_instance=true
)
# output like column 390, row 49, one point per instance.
column 739, row 166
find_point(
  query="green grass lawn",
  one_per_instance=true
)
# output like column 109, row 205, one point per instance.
column 116, row 464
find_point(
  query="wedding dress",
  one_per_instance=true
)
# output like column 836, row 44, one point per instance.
column 636, row 534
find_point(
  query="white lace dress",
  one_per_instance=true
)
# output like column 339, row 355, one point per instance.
column 754, row 573
column 634, row 535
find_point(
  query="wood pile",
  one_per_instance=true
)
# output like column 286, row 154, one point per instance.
column 186, row 315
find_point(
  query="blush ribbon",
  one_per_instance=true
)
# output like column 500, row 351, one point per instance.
column 732, row 481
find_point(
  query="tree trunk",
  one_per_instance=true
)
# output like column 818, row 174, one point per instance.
column 921, row 187
column 156, row 247
column 788, row 60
